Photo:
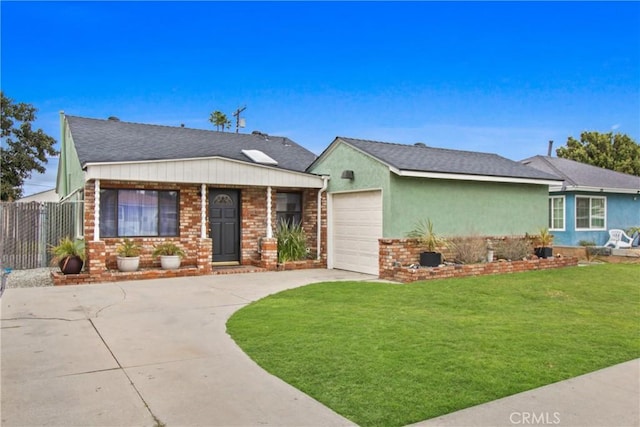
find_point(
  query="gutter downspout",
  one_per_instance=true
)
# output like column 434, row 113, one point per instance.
column 325, row 184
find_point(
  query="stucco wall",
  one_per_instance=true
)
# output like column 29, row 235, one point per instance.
column 455, row 207
column 70, row 175
column 369, row 174
column 466, row 207
column 623, row 211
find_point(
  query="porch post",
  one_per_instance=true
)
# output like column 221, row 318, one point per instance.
column 96, row 211
column 203, row 211
column 269, row 229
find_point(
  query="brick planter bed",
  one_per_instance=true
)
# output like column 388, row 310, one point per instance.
column 84, row 278
column 60, row 279
column 302, row 265
column 406, row 275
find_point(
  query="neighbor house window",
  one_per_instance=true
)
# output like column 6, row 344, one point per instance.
column 289, row 208
column 591, row 213
column 556, row 213
column 128, row 213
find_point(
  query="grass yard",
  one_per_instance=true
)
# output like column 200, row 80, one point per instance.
column 390, row 355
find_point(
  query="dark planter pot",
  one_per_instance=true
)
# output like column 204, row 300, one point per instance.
column 544, row 252
column 71, row 265
column 430, row 259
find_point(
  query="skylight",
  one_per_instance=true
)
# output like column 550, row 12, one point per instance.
column 258, row 156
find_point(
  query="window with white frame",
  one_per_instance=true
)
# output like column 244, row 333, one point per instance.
column 556, row 213
column 591, row 213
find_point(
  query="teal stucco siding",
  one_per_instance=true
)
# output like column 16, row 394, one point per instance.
column 369, row 174
column 463, row 208
column 455, row 207
column 70, row 175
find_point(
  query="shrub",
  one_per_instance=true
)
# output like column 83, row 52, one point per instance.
column 67, row 248
column 513, row 248
column 292, row 242
column 468, row 250
column 423, row 232
column 128, row 248
column 168, row 248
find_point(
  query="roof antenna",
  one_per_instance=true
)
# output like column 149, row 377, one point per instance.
column 240, row 122
column 550, row 147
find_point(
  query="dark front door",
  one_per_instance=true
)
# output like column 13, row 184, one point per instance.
column 224, row 221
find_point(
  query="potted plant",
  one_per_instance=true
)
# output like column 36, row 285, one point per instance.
column 170, row 255
column 69, row 255
column 128, row 255
column 426, row 237
column 544, row 240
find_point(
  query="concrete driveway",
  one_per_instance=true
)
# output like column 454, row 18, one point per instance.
column 146, row 353
column 156, row 352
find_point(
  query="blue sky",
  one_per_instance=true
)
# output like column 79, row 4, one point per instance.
column 494, row 77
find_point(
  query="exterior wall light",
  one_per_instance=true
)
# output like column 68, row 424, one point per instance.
column 347, row 174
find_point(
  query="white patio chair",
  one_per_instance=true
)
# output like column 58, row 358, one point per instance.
column 619, row 239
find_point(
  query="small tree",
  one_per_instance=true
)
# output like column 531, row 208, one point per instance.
column 23, row 150
column 617, row 152
column 220, row 120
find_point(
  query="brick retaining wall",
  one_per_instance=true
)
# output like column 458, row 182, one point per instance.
column 397, row 254
column 406, row 275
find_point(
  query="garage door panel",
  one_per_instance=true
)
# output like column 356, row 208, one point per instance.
column 357, row 226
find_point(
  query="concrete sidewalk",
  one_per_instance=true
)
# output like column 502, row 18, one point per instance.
column 155, row 352
column 606, row 398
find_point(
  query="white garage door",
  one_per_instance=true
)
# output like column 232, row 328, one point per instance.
column 357, row 226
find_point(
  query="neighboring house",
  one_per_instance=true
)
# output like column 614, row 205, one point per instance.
column 380, row 190
column 589, row 202
column 218, row 194
column 42, row 196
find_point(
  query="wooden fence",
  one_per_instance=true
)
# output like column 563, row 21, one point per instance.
column 27, row 231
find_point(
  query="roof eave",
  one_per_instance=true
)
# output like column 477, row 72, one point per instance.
column 469, row 177
column 597, row 189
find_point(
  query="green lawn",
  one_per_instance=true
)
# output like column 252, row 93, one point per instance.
column 390, row 355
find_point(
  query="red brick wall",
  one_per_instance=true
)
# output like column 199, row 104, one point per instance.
column 397, row 254
column 405, row 275
column 252, row 229
column 189, row 238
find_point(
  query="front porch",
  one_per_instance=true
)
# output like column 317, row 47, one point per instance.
column 269, row 263
column 256, row 227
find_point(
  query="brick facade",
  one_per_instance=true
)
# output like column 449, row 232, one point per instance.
column 101, row 262
column 397, row 254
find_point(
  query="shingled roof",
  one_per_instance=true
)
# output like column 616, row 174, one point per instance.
column 578, row 175
column 421, row 158
column 104, row 141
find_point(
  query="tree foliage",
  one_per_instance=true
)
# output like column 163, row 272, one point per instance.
column 23, row 150
column 220, row 120
column 616, row 152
